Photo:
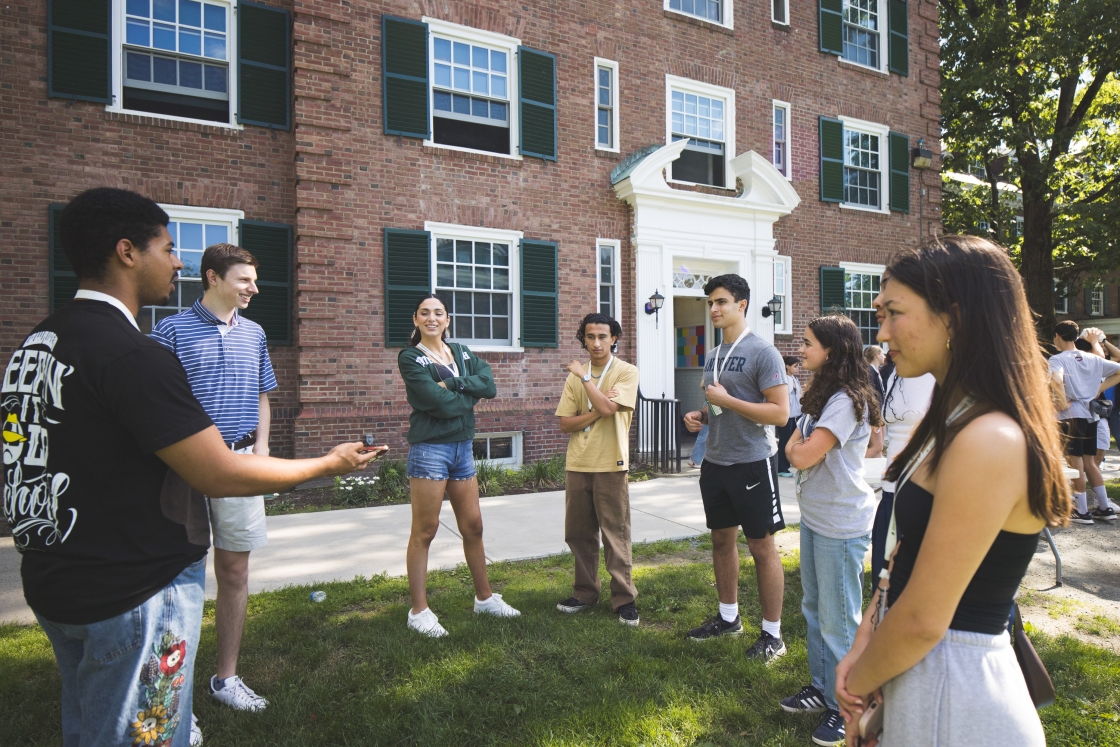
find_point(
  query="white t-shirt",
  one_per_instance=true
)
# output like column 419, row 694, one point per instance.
column 1083, row 374
column 794, row 397
column 904, row 405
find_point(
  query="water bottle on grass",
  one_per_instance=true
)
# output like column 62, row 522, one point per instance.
column 318, row 596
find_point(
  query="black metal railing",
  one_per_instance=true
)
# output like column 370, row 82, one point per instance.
column 659, row 433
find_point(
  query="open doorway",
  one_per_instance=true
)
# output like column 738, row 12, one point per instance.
column 693, row 339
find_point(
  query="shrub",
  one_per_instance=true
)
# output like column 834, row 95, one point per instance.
column 356, row 489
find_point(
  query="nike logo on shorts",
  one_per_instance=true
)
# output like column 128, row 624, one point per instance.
column 752, row 487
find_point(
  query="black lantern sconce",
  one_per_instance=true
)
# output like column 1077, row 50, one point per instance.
column 772, row 307
column 656, row 301
column 921, row 159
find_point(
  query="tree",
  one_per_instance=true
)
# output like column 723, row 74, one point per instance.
column 1037, row 79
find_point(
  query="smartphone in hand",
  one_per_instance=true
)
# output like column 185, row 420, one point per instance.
column 871, row 722
column 368, row 445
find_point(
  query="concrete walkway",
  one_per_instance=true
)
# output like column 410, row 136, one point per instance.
column 339, row 545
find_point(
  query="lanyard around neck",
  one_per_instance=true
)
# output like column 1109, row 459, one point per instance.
column 451, row 354
column 717, row 369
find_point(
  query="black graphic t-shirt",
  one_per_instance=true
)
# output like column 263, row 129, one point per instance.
column 102, row 522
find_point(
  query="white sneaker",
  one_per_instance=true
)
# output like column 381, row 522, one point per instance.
column 237, row 695
column 495, row 606
column 196, row 733
column 426, row 623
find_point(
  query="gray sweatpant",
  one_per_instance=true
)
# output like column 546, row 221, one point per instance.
column 968, row 690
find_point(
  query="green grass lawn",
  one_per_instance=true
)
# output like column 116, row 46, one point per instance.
column 347, row 672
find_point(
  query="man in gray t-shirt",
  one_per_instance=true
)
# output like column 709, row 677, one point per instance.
column 747, row 391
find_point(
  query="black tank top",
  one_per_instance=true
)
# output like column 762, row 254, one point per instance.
column 986, row 603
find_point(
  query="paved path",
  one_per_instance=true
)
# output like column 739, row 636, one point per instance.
column 339, row 545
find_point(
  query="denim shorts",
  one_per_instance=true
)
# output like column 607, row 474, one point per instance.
column 454, row 461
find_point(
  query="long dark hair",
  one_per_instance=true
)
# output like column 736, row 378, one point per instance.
column 994, row 358
column 414, row 340
column 844, row 370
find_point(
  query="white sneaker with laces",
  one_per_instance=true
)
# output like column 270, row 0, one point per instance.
column 495, row 606
column 237, row 695
column 196, row 733
column 426, row 623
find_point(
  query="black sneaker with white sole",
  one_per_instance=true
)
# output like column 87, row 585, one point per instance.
column 717, row 626
column 571, row 605
column 1079, row 518
column 766, row 648
column 628, row 614
column 809, row 700
column 1104, row 514
column 830, row 731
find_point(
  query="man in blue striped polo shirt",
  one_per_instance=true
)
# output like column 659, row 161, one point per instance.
column 226, row 359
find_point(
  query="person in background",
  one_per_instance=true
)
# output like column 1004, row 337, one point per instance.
column 1103, row 511
column 785, row 431
column 1112, row 353
column 875, row 358
column 837, row 508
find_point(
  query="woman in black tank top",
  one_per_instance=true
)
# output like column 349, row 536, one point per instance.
column 975, row 485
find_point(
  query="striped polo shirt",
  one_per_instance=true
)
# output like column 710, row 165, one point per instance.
column 227, row 373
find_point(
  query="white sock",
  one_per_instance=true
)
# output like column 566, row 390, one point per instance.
column 1080, row 503
column 773, row 628
column 729, row 611
column 1102, row 497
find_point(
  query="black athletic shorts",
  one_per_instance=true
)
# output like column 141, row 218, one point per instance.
column 1081, row 435
column 743, row 495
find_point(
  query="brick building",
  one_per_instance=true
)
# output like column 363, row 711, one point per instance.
column 532, row 162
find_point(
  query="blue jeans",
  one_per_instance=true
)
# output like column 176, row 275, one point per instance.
column 128, row 680
column 700, row 447
column 454, row 461
column 832, row 602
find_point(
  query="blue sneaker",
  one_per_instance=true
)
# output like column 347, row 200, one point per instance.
column 830, row 731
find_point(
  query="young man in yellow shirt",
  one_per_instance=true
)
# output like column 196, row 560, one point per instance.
column 595, row 409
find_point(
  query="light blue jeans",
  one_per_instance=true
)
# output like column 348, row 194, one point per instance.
column 832, row 602
column 128, row 680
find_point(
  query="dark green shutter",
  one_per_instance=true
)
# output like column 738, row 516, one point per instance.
column 408, row 276
column 833, row 286
column 831, row 26
column 1088, row 300
column 537, row 75
column 264, row 83
column 271, row 244
column 540, row 294
column 1107, row 293
column 900, row 172
column 63, row 281
column 832, row 160
column 898, row 59
column 78, row 49
column 404, row 92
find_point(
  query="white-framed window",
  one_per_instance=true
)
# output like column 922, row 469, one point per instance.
column 1096, row 301
column 476, row 272
column 783, row 320
column 865, row 165
column 861, row 285
column 1017, row 227
column 864, row 26
column 779, row 11
column 192, row 229
column 473, row 78
column 704, row 115
column 781, row 153
column 713, row 11
column 498, row 448
column 607, row 272
column 606, row 105
column 1061, row 298
column 173, row 59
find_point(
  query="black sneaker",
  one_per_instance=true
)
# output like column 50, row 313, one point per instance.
column 830, row 731
column 571, row 605
column 766, row 648
column 715, row 627
column 809, row 700
column 1104, row 514
column 628, row 614
column 1078, row 518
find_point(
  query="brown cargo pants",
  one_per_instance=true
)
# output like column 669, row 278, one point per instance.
column 598, row 503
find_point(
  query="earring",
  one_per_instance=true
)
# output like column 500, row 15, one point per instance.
column 949, row 344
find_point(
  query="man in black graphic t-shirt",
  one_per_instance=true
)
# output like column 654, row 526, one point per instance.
column 99, row 422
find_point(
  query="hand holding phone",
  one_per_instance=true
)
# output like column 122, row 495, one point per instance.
column 368, row 446
column 871, row 722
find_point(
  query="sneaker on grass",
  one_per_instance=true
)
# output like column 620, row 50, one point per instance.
column 717, row 626
column 236, row 694
column 628, row 614
column 1104, row 514
column 196, row 733
column 571, row 605
column 495, row 606
column 766, row 648
column 1080, row 518
column 426, row 623
column 809, row 700
column 830, row 731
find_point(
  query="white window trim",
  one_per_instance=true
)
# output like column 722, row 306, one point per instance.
column 613, row 67
column 208, row 215
column 1063, row 298
column 481, row 233
column 787, row 301
column 775, row 20
column 702, row 89
column 518, row 453
column 860, row 268
column 616, row 248
column 883, row 133
column 778, row 104
column 488, row 38
column 117, row 83
column 1096, row 300
column 884, row 39
column 728, row 7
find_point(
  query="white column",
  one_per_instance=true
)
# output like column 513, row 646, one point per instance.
column 762, row 290
column 653, row 337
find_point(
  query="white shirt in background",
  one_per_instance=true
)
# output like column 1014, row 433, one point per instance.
column 905, row 402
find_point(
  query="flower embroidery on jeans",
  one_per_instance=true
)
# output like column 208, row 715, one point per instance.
column 160, row 684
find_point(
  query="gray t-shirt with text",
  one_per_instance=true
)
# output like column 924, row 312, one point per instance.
column 754, row 366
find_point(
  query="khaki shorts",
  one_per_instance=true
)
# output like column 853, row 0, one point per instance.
column 238, row 523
